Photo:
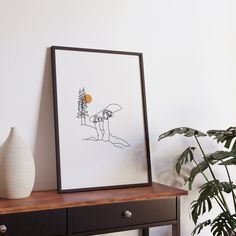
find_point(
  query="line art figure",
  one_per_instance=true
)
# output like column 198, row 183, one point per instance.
column 100, row 121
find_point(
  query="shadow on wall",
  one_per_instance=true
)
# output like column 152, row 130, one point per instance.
column 44, row 151
column 170, row 177
column 163, row 167
column 164, row 162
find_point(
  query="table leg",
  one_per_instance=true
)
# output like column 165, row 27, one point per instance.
column 176, row 227
column 145, row 232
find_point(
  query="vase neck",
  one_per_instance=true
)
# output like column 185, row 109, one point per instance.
column 13, row 131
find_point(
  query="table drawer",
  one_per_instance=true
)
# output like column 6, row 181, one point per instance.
column 101, row 217
column 38, row 223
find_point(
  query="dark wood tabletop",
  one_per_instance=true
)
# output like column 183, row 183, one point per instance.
column 46, row 200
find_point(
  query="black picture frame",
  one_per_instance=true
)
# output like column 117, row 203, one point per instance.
column 73, row 71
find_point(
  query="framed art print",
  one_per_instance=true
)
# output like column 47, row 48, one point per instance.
column 100, row 119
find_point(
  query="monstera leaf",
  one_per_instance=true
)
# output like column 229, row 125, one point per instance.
column 225, row 136
column 224, row 157
column 206, row 193
column 203, row 203
column 213, row 158
column 213, row 191
column 188, row 132
column 231, row 161
column 231, row 158
column 223, row 224
column 185, row 157
column 201, row 167
column 200, row 226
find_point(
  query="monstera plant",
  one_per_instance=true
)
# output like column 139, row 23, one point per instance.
column 213, row 191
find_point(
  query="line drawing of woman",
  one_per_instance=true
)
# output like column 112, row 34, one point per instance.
column 100, row 121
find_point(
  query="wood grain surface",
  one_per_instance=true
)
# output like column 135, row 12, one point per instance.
column 46, row 200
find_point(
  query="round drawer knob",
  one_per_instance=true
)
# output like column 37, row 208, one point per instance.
column 3, row 229
column 128, row 214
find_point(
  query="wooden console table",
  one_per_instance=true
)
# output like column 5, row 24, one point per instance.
column 47, row 213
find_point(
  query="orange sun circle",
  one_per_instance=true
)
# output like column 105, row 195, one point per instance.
column 88, row 98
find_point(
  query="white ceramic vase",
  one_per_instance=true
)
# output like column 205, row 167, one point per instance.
column 17, row 169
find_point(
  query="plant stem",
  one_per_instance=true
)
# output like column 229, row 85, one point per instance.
column 200, row 170
column 219, row 201
column 230, row 182
column 213, row 175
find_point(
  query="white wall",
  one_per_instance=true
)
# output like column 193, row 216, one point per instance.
column 189, row 54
